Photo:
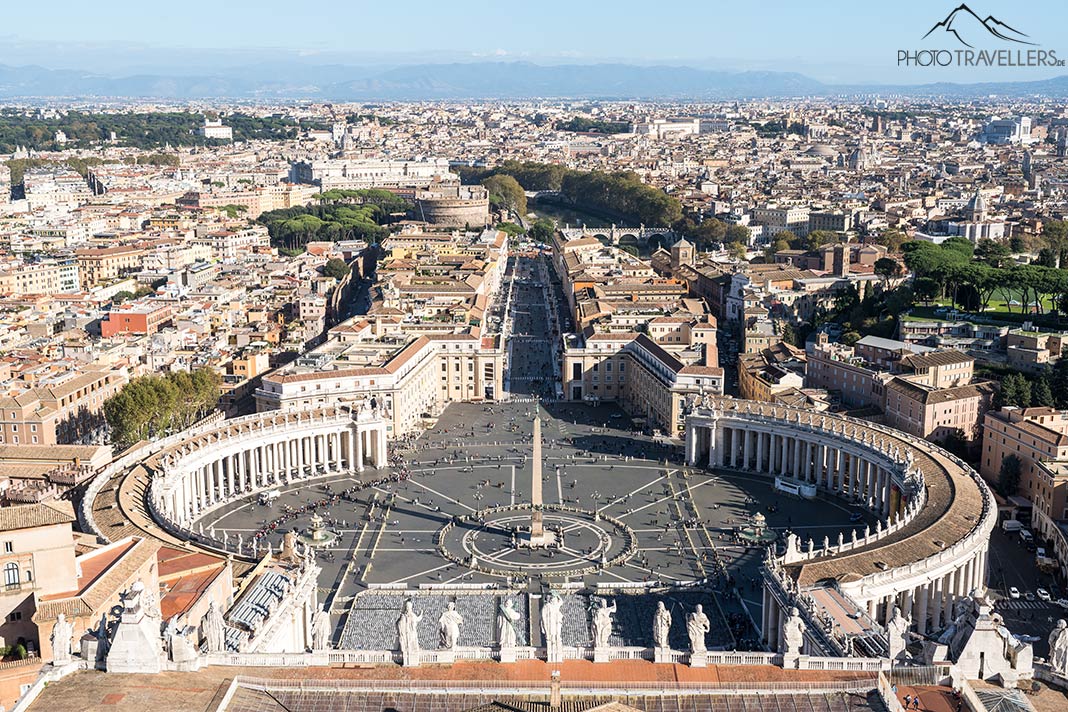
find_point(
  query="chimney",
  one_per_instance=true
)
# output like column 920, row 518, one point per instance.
column 554, row 691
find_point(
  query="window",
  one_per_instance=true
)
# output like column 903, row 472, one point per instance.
column 11, row 575
column 9, row 547
column 15, row 616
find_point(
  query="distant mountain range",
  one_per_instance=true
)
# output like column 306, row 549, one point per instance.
column 474, row 80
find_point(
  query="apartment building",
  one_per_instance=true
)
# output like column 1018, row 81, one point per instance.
column 359, row 173
column 1039, row 438
column 650, row 382
column 230, row 244
column 771, row 371
column 934, row 413
column 37, row 559
column 60, row 410
column 98, row 265
column 142, row 317
column 47, row 277
column 412, row 376
column 1033, row 351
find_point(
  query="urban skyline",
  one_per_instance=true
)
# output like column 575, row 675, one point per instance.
column 730, row 37
column 466, row 371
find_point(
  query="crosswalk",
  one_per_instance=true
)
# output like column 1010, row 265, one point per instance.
column 1022, row 605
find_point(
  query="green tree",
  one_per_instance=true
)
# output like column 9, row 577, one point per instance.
column 849, row 338
column 510, row 228
column 737, row 234
column 336, row 268
column 541, row 231
column 154, row 406
column 959, row 245
column 891, row 238
column 710, row 230
column 736, row 250
column 994, row 254
column 1042, row 393
column 787, row 237
column 957, row 443
column 818, row 238
column 925, row 289
column 505, row 193
column 1009, row 476
column 887, row 269
column 789, row 334
column 1015, row 390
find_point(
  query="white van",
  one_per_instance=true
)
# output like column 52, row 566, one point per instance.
column 267, row 498
column 1011, row 525
column 1026, row 536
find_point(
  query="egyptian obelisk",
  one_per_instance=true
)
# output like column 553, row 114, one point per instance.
column 537, row 529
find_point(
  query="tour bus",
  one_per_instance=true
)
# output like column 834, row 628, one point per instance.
column 267, row 498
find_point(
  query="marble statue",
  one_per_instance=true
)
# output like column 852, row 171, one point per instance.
column 1058, row 648
column 697, row 626
column 449, row 626
column 602, row 624
column 661, row 625
column 408, row 634
column 793, row 633
column 62, row 633
column 179, row 648
column 552, row 623
column 322, row 630
column 149, row 601
column 507, row 617
column 897, row 631
column 213, row 628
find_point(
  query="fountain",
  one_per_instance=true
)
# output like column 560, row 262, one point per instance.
column 757, row 530
column 317, row 535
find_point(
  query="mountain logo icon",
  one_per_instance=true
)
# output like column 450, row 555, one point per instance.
column 968, row 27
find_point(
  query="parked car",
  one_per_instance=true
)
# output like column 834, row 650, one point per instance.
column 1062, row 602
column 1029, row 596
column 1014, row 593
column 1043, row 595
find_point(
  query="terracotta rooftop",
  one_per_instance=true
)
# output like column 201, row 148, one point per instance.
column 43, row 514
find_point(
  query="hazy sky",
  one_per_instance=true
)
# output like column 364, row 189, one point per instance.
column 832, row 41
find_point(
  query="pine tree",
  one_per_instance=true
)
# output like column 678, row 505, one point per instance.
column 1042, row 394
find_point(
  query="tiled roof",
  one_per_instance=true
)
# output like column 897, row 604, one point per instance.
column 43, row 514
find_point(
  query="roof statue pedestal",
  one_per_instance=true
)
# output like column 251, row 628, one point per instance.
column 981, row 646
column 136, row 646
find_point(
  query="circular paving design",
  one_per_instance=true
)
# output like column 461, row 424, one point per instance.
column 491, row 541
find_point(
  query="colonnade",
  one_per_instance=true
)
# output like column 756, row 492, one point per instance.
column 879, row 468
column 242, row 460
column 841, row 467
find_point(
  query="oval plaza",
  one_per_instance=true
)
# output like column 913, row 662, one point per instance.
column 915, row 549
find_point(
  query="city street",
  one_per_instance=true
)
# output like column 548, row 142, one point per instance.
column 1013, row 565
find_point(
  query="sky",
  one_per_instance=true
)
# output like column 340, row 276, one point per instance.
column 835, row 42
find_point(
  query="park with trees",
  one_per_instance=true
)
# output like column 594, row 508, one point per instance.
column 340, row 215
column 620, row 194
